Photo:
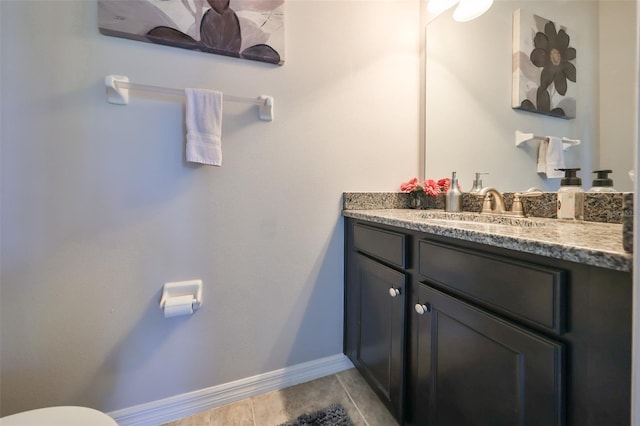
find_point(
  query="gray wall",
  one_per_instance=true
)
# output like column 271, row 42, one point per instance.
column 618, row 101
column 99, row 208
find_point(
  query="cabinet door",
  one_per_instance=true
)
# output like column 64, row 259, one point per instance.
column 474, row 368
column 380, row 343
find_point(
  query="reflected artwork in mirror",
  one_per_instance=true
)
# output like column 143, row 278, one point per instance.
column 544, row 70
column 470, row 122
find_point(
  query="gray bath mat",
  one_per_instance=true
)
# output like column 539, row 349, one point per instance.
column 334, row 415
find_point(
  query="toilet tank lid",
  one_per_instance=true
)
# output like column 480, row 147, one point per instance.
column 52, row 416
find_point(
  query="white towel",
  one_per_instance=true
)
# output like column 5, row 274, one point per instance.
column 204, row 126
column 551, row 157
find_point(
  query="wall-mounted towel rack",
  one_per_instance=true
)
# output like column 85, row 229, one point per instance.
column 118, row 87
column 522, row 137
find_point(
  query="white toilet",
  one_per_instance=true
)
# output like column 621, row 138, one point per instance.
column 59, row 416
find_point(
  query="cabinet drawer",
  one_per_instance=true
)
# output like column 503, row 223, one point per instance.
column 385, row 245
column 532, row 293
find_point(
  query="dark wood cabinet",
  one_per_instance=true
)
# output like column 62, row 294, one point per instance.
column 380, row 343
column 375, row 338
column 479, row 335
column 473, row 368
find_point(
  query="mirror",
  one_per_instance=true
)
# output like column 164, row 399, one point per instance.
column 469, row 122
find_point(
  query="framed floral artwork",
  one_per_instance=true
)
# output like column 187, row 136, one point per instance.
column 544, row 66
column 248, row 29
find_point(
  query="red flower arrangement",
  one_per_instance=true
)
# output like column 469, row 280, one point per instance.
column 429, row 186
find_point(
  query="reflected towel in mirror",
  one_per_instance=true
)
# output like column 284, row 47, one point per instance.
column 551, row 157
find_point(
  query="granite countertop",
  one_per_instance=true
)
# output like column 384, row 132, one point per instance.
column 591, row 243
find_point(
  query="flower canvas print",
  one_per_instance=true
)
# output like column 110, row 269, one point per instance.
column 248, row 29
column 544, row 66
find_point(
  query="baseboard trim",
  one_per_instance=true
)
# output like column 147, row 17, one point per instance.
column 179, row 406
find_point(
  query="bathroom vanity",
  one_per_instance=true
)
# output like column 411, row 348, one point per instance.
column 459, row 322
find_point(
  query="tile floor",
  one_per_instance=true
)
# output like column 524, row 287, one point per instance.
column 347, row 388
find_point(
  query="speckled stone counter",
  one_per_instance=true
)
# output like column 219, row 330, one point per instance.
column 604, row 207
column 611, row 208
column 591, row 243
column 627, row 222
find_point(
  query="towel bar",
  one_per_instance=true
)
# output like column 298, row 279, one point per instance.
column 522, row 137
column 118, row 87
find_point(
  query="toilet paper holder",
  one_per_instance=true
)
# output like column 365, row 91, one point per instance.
column 180, row 289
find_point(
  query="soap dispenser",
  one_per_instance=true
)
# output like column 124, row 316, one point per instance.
column 453, row 197
column 570, row 196
column 602, row 183
column 477, row 184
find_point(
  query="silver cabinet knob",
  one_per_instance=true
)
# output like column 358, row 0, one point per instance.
column 422, row 309
column 393, row 292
